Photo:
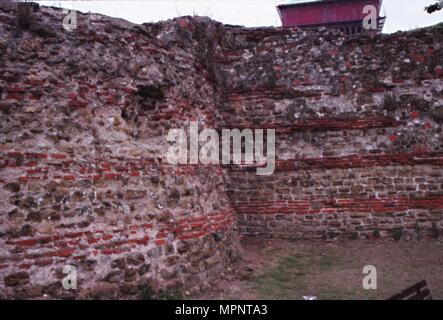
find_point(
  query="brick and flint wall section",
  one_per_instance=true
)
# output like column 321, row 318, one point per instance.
column 358, row 132
column 83, row 170
column 85, row 116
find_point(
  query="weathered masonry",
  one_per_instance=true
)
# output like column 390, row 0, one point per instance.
column 84, row 120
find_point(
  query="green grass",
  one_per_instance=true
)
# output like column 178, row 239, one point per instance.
column 284, row 280
column 305, row 274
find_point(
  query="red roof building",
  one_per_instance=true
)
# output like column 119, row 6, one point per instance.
column 346, row 15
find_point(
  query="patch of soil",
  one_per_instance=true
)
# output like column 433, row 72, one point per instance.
column 329, row 271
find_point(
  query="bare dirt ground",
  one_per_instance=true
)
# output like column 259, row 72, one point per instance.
column 329, row 271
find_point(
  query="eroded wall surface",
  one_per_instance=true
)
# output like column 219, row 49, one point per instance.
column 85, row 116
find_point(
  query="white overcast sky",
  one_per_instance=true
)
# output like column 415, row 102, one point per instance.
column 401, row 14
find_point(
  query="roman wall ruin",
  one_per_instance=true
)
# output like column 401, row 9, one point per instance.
column 84, row 120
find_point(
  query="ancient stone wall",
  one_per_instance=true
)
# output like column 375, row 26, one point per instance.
column 359, row 136
column 85, row 116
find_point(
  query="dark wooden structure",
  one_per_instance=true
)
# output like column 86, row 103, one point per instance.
column 418, row 291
